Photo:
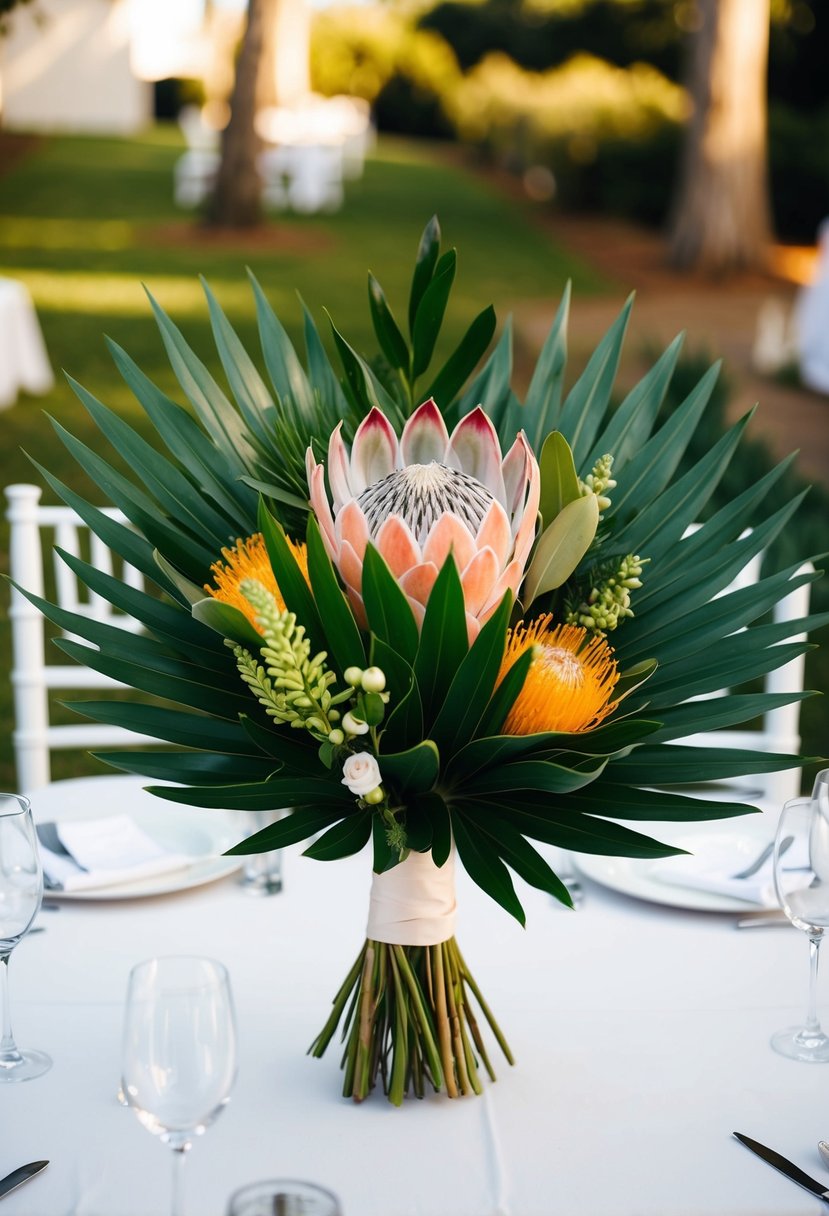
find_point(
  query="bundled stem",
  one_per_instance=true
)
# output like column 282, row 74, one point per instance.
column 407, row 1018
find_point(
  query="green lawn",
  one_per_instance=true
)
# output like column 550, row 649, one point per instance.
column 83, row 222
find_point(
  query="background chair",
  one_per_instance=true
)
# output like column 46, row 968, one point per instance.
column 35, row 531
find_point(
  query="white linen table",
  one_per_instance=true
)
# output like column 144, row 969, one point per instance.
column 24, row 363
column 641, row 1036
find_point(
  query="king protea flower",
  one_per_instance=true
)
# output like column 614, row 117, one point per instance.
column 426, row 496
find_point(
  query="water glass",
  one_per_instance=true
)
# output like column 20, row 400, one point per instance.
column 261, row 872
column 801, row 880
column 283, row 1197
column 179, row 1051
column 21, row 892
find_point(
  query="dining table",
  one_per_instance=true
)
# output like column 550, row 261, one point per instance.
column 640, row 1033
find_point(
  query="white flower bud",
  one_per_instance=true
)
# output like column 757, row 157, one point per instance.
column 373, row 680
column 353, row 676
column 361, row 773
column 354, row 726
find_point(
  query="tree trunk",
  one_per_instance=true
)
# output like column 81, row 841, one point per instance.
column 721, row 214
column 285, row 78
column 236, row 201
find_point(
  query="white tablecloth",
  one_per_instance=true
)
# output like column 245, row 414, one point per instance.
column 24, row 363
column 641, row 1036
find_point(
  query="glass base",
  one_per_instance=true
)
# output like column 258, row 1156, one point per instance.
column 25, row 1066
column 800, row 1043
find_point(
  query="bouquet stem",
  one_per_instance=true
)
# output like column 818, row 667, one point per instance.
column 407, row 1019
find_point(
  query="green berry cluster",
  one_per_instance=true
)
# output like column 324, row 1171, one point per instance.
column 599, row 481
column 608, row 602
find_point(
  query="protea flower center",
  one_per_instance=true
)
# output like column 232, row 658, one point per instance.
column 420, row 494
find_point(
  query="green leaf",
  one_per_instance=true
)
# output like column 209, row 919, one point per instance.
column 430, row 311
column 271, row 795
column 565, row 827
column 248, row 388
column 228, row 621
column 344, row 639
column 519, row 854
column 490, row 388
column 286, row 373
column 434, row 808
column 631, row 424
column 588, row 399
column 717, row 712
column 170, row 725
column 385, row 858
column 673, row 764
column 505, row 695
column 473, row 684
column 204, row 462
column 463, row 360
column 561, row 547
column 343, row 839
column 543, row 401
column 427, row 256
column 298, row 824
column 443, row 640
column 366, row 389
column 215, row 411
column 387, row 609
column 291, row 581
column 533, row 775
column 412, row 772
column 483, row 865
column 626, row 802
column 197, row 768
column 559, row 480
column 294, row 749
column 392, row 342
column 321, row 373
column 278, row 493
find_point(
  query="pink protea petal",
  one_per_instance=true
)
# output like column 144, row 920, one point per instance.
column 418, row 611
column 350, row 526
column 526, row 529
column 350, row 567
column 319, row 505
column 339, row 469
column 418, row 582
column 473, row 627
column 375, row 452
column 479, row 578
column 450, row 534
column 425, row 436
column 516, row 471
column 397, row 546
column 474, row 449
column 496, row 533
column 509, row 580
column 358, row 607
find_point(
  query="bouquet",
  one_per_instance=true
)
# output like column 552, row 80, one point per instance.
column 430, row 618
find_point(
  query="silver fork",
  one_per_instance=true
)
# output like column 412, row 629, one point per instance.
column 763, row 857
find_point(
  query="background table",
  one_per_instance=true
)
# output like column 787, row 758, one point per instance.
column 640, row 1035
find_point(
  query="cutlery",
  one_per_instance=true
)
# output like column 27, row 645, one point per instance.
column 758, row 863
column 785, row 1167
column 823, row 1149
column 20, row 1175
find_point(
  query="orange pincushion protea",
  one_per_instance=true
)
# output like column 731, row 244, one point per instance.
column 569, row 684
column 249, row 559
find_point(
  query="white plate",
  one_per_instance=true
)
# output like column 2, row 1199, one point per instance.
column 200, row 833
column 633, row 875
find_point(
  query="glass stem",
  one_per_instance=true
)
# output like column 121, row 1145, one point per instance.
column 177, row 1204
column 8, row 1048
column 812, row 1023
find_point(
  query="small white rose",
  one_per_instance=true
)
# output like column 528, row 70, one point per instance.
column 361, row 773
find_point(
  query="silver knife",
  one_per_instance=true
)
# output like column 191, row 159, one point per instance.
column 18, row 1176
column 785, row 1167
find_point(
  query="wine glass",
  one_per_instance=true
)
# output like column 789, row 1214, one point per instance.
column 179, row 1051
column 21, row 890
column 801, row 880
column 820, row 790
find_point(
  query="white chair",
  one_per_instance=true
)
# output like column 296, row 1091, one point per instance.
column 32, row 677
column 194, row 173
column 780, row 731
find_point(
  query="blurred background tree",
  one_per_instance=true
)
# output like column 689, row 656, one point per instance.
column 722, row 216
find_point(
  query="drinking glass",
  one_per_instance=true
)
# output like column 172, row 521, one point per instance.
column 21, row 890
column 179, row 1051
column 283, row 1197
column 820, row 790
column 261, row 872
column 801, row 880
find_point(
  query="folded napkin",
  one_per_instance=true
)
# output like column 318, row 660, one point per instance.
column 85, row 854
column 714, row 868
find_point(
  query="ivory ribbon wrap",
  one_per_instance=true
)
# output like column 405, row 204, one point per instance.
column 413, row 904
